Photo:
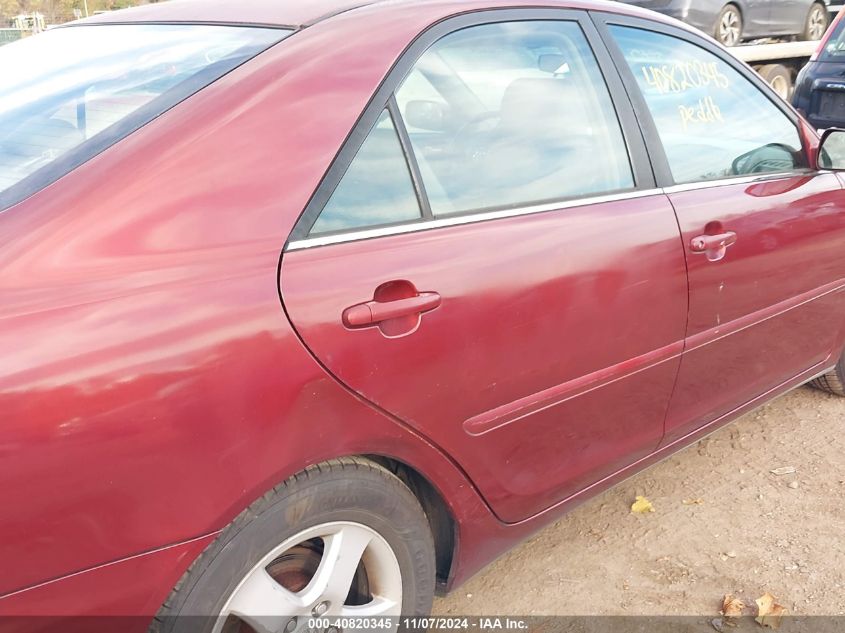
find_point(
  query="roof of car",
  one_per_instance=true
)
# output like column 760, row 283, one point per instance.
column 295, row 13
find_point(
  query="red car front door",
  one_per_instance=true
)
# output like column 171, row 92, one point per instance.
column 536, row 342
column 762, row 231
column 760, row 316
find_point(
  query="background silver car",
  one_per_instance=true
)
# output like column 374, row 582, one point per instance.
column 737, row 20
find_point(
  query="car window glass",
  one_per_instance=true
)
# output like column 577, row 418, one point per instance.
column 418, row 88
column 834, row 49
column 376, row 189
column 505, row 114
column 713, row 122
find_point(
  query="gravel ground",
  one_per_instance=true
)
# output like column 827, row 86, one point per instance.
column 723, row 523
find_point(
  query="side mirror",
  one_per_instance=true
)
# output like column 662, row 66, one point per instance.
column 832, row 150
column 427, row 115
column 773, row 157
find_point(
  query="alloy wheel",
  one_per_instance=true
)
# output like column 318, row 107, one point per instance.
column 781, row 86
column 730, row 26
column 816, row 23
column 334, row 570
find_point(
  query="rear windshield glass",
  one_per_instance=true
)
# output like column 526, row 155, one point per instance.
column 834, row 49
column 70, row 92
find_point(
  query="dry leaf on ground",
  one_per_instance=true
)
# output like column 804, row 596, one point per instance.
column 641, row 506
column 783, row 470
column 732, row 606
column 692, row 502
column 769, row 612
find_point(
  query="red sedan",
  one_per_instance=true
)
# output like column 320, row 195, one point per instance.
column 312, row 308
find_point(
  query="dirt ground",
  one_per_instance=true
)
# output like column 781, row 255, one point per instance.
column 751, row 532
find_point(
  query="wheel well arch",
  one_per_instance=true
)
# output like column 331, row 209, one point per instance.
column 823, row 5
column 736, row 4
column 441, row 522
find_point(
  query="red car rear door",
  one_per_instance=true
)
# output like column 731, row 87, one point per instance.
column 763, row 232
column 491, row 264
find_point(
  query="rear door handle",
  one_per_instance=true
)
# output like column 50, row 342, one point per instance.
column 373, row 312
column 714, row 246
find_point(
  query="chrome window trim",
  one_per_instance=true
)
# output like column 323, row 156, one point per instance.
column 467, row 218
column 484, row 216
column 723, row 182
column 640, row 163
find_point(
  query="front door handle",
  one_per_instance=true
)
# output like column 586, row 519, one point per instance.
column 714, row 246
column 373, row 312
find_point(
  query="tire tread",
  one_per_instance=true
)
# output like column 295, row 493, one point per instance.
column 833, row 381
column 159, row 623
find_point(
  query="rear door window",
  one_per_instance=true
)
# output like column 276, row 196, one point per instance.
column 376, row 189
column 512, row 114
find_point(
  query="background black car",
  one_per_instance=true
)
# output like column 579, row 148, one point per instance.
column 738, row 20
column 820, row 86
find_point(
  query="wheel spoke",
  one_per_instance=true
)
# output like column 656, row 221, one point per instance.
column 342, row 552
column 817, row 23
column 729, row 27
column 264, row 604
column 376, row 607
column 268, row 607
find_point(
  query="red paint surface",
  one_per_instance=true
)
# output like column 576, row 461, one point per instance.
column 546, row 367
column 763, row 313
column 151, row 386
column 120, row 596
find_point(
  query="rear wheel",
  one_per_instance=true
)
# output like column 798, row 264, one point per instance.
column 779, row 77
column 833, row 381
column 343, row 539
column 818, row 19
column 729, row 26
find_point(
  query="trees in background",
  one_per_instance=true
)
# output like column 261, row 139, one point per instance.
column 57, row 11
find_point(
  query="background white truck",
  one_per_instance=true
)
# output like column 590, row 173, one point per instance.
column 778, row 63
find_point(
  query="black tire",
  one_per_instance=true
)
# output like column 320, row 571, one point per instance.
column 779, row 77
column 348, row 489
column 833, row 381
column 816, row 22
column 729, row 25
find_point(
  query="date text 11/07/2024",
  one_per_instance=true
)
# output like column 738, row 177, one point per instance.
column 476, row 623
